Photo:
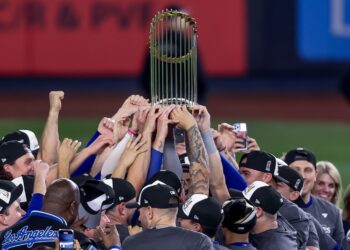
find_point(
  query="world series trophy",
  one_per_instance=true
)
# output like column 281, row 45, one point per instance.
column 173, row 55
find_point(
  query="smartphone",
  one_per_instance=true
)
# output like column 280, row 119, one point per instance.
column 66, row 239
column 241, row 131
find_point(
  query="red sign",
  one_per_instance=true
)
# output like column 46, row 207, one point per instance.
column 109, row 37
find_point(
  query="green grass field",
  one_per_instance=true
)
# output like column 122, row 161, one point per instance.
column 329, row 141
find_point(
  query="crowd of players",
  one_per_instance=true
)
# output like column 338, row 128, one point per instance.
column 155, row 177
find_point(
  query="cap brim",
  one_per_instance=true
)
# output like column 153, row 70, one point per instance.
column 17, row 192
column 93, row 219
column 181, row 214
column 132, row 205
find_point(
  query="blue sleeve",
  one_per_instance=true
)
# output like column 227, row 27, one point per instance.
column 232, row 176
column 86, row 166
column 155, row 164
column 36, row 203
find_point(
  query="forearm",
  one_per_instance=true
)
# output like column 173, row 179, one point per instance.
column 50, row 139
column 78, row 160
column 52, row 175
column 113, row 158
column 155, row 164
column 138, row 170
column 217, row 181
column 63, row 168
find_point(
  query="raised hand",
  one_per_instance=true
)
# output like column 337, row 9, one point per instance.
column 68, row 149
column 99, row 145
column 183, row 117
column 227, row 135
column 55, row 98
column 202, row 116
column 106, row 126
column 132, row 150
column 150, row 124
column 109, row 235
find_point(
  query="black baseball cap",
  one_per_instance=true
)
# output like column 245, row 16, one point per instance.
column 124, row 191
column 12, row 150
column 168, row 178
column 300, row 154
column 23, row 136
column 259, row 160
column 95, row 196
column 27, row 181
column 293, row 179
column 9, row 193
column 156, row 195
column 239, row 215
column 202, row 209
column 264, row 196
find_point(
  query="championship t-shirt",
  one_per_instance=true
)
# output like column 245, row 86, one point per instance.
column 327, row 215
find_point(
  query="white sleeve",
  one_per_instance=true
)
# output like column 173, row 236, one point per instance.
column 113, row 159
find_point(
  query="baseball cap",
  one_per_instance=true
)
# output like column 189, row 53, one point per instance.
column 10, row 151
column 264, row 196
column 202, row 209
column 259, row 160
column 293, row 179
column 239, row 215
column 235, row 193
column 124, row 191
column 95, row 196
column 25, row 137
column 27, row 182
column 156, row 195
column 168, row 178
column 300, row 154
column 9, row 193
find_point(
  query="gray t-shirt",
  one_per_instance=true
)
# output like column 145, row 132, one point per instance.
column 217, row 246
column 346, row 241
column 327, row 215
column 279, row 238
column 298, row 219
column 313, row 239
column 326, row 242
column 169, row 238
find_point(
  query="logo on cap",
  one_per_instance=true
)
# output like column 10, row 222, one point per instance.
column 3, row 159
column 5, row 195
column 297, row 183
column 268, row 166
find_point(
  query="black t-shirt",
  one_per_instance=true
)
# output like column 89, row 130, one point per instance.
column 169, row 238
column 39, row 228
column 123, row 232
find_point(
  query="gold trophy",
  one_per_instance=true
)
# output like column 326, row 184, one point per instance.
column 173, row 55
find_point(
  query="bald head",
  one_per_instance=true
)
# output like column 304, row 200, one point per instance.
column 62, row 198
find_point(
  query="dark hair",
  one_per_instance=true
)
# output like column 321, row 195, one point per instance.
column 210, row 231
column 4, row 175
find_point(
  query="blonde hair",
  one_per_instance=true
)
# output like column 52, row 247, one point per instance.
column 326, row 167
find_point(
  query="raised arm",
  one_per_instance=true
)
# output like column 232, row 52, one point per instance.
column 138, row 171
column 50, row 141
column 197, row 154
column 217, row 181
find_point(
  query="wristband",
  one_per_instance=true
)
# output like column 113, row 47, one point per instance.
column 209, row 142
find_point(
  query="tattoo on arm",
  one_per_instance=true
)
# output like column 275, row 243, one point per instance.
column 199, row 183
column 195, row 147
